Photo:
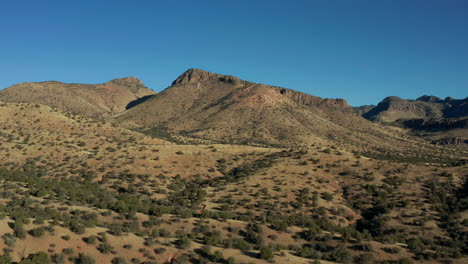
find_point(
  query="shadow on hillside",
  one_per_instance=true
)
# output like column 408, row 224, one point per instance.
column 138, row 101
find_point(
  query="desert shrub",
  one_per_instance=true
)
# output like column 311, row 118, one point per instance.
column 184, row 242
column 37, row 232
column 18, row 230
column 105, row 248
column 119, row 260
column 91, row 240
column 84, row 259
column 9, row 239
column 68, row 251
column 309, row 252
column 266, row 253
column 218, row 256
column 327, row 196
column 392, row 250
column 38, row 258
column 363, row 259
column 6, row 258
column 59, row 258
column 231, row 260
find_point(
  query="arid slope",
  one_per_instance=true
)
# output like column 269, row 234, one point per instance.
column 92, row 100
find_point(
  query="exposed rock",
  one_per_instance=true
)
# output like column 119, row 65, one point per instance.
column 197, row 76
column 310, row 100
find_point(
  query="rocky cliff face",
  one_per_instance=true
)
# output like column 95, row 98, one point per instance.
column 309, row 100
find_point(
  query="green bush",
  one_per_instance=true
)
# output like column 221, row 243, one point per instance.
column 85, row 259
column 38, row 258
column 266, row 253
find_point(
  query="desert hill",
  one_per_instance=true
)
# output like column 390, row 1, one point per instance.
column 225, row 108
column 92, row 100
column 394, row 108
column 81, row 190
column 440, row 121
column 76, row 187
column 209, row 107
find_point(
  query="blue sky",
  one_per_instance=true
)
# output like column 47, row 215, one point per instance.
column 361, row 51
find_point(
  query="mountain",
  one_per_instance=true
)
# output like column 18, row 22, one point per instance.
column 209, row 107
column 360, row 110
column 440, row 121
column 89, row 191
column 394, row 108
column 92, row 100
column 225, row 108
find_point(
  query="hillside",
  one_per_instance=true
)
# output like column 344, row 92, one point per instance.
column 394, row 108
column 439, row 121
column 81, row 189
column 205, row 107
column 92, row 100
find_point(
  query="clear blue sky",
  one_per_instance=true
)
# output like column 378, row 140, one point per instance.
column 361, row 51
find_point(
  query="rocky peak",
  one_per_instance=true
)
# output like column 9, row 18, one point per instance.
column 429, row 99
column 134, row 84
column 196, row 76
column 127, row 81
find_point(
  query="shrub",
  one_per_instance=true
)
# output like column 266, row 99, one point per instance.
column 266, row 253
column 38, row 258
column 91, row 240
column 105, row 248
column 37, row 232
column 85, row 259
column 184, row 242
column 119, row 260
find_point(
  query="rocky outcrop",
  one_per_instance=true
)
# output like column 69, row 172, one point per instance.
column 197, row 76
column 310, row 100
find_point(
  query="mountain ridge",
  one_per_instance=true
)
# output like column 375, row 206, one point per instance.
column 208, row 107
column 92, row 100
